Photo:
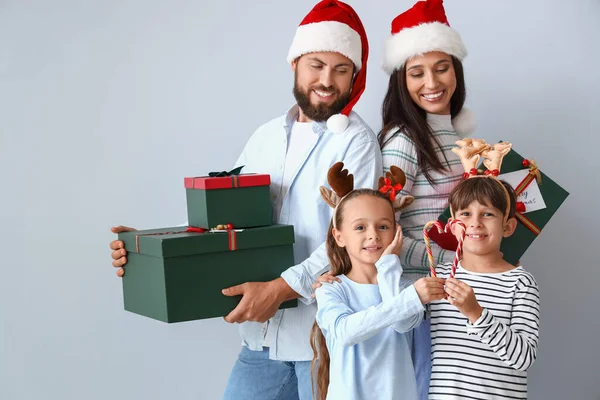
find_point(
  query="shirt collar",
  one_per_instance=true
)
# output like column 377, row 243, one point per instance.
column 319, row 128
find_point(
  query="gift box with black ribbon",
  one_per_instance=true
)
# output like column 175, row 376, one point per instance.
column 177, row 274
column 222, row 198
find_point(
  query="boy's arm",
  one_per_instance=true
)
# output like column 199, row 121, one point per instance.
column 516, row 343
column 390, row 282
column 341, row 324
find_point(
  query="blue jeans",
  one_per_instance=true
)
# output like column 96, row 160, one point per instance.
column 256, row 377
column 421, row 355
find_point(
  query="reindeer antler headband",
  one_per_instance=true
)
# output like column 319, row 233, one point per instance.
column 471, row 150
column 342, row 183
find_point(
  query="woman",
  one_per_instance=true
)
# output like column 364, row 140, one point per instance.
column 423, row 117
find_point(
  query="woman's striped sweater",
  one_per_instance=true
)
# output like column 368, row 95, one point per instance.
column 430, row 200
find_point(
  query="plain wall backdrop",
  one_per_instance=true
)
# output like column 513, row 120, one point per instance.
column 106, row 105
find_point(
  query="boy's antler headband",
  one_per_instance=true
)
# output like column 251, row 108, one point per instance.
column 342, row 183
column 471, row 150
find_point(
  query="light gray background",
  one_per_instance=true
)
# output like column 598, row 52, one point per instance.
column 106, row 105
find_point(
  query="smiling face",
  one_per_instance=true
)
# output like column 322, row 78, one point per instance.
column 483, row 204
column 367, row 229
column 322, row 84
column 485, row 228
column 431, row 81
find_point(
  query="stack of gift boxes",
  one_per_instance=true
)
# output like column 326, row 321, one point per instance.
column 177, row 273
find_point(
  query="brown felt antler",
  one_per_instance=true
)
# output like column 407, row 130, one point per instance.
column 340, row 181
column 392, row 183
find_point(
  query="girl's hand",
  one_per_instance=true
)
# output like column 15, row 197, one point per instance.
column 326, row 277
column 396, row 245
column 462, row 297
column 430, row 289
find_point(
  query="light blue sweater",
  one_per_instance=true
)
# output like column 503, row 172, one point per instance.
column 368, row 333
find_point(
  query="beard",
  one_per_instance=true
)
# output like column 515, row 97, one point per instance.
column 320, row 112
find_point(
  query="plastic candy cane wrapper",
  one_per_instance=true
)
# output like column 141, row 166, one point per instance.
column 441, row 229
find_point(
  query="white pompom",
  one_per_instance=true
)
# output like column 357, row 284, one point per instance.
column 338, row 123
column 464, row 123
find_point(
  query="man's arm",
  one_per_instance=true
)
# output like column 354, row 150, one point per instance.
column 363, row 160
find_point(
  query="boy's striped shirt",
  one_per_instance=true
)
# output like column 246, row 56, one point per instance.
column 489, row 359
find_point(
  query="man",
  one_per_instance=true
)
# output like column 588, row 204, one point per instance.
column 328, row 57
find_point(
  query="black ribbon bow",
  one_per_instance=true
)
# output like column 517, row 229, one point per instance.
column 235, row 171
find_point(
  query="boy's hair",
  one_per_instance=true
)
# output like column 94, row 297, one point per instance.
column 486, row 190
column 340, row 264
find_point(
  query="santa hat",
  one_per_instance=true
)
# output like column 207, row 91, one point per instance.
column 333, row 26
column 422, row 29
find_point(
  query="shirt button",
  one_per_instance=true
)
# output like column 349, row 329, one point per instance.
column 280, row 167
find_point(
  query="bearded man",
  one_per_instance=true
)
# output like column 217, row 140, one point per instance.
column 328, row 57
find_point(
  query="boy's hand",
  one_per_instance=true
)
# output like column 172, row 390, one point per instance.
column 430, row 289
column 396, row 245
column 326, row 277
column 462, row 297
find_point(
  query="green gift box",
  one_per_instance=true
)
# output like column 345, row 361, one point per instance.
column 528, row 223
column 173, row 275
column 241, row 200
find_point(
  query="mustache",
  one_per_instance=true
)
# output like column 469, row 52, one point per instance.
column 323, row 88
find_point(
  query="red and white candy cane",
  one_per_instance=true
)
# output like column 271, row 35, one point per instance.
column 440, row 229
column 461, row 239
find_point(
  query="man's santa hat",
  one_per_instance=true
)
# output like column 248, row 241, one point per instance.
column 333, row 26
column 422, row 29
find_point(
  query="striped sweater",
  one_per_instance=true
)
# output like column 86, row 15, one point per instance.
column 430, row 200
column 488, row 359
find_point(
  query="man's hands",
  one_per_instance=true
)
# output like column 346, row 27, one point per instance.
column 260, row 300
column 119, row 253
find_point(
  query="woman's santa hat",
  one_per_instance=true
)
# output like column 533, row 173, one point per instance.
column 422, row 29
column 333, row 26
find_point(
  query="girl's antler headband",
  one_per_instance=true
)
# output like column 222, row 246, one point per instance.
column 342, row 183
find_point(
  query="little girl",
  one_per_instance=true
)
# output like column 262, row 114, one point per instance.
column 361, row 338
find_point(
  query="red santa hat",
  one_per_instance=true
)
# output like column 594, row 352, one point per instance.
column 422, row 29
column 333, row 26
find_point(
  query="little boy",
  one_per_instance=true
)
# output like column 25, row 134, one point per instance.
column 485, row 335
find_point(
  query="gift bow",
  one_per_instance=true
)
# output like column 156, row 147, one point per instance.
column 392, row 189
column 235, row 171
column 534, row 170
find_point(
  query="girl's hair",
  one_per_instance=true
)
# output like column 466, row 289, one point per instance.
column 486, row 191
column 340, row 264
column 401, row 112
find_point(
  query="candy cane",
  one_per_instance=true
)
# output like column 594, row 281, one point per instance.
column 440, row 229
column 461, row 239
